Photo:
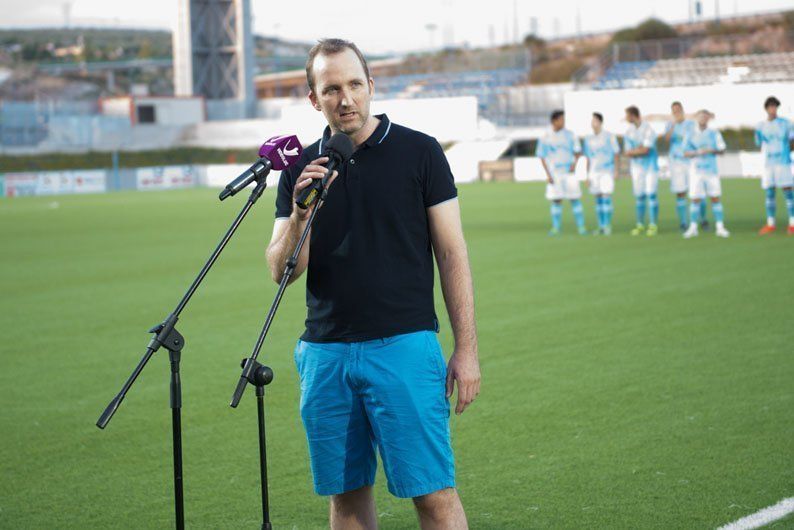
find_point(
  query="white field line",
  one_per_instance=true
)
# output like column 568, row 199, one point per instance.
column 762, row 517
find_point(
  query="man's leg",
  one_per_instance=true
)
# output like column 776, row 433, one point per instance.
column 354, row 510
column 441, row 510
column 608, row 211
column 556, row 217
column 694, row 218
column 719, row 216
column 578, row 215
column 788, row 193
column 680, row 208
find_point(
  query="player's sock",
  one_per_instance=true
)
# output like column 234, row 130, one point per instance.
column 578, row 212
column 704, row 211
column 716, row 208
column 694, row 213
column 789, row 195
column 639, row 207
column 771, row 206
column 608, row 210
column 653, row 208
column 680, row 208
column 600, row 210
column 556, row 216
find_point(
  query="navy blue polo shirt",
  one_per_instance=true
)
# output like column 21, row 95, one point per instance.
column 370, row 272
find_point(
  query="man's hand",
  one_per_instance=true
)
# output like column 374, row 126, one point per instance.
column 549, row 179
column 463, row 367
column 313, row 170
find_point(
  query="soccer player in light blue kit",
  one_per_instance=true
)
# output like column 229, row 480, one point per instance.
column 639, row 144
column 602, row 151
column 774, row 136
column 559, row 150
column 703, row 145
column 679, row 165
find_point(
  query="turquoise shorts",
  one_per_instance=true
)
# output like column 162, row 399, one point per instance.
column 387, row 394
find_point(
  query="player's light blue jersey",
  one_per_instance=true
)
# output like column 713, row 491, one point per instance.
column 559, row 150
column 601, row 149
column 774, row 138
column 701, row 140
column 680, row 131
column 642, row 136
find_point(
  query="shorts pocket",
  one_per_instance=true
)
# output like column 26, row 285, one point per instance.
column 437, row 360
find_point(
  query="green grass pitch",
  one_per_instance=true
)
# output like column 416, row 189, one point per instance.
column 627, row 382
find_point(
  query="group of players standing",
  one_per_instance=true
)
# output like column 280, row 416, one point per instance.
column 692, row 163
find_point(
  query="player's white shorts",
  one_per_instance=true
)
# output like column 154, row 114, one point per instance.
column 777, row 177
column 644, row 181
column 602, row 183
column 566, row 186
column 679, row 175
column 702, row 185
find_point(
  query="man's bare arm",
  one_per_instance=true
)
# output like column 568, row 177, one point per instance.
column 286, row 232
column 456, row 284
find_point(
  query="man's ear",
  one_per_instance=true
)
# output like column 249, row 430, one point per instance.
column 313, row 99
column 371, row 84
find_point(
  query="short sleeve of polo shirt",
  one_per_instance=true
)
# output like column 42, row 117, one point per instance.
column 284, row 194
column 438, row 184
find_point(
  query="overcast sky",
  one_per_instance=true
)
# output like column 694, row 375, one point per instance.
column 380, row 27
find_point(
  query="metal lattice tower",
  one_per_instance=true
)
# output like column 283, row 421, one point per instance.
column 213, row 52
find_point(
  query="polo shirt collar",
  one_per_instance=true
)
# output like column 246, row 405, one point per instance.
column 377, row 137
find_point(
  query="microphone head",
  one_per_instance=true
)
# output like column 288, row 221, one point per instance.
column 339, row 146
column 282, row 151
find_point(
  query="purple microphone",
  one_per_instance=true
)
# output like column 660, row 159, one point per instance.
column 277, row 153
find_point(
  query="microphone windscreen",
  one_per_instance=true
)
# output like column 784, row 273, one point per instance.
column 340, row 144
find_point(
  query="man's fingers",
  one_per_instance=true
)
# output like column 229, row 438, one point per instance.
column 450, row 383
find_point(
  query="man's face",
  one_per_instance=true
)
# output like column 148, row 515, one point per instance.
column 771, row 111
column 631, row 118
column 703, row 119
column 342, row 91
column 595, row 123
column 678, row 112
column 558, row 123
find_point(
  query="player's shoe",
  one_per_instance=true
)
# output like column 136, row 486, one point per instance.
column 722, row 232
column 652, row 230
column 555, row 232
column 582, row 231
column 638, row 230
column 682, row 227
column 691, row 232
column 607, row 230
column 790, row 230
column 766, row 229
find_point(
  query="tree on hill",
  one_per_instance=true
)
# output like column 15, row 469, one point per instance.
column 651, row 29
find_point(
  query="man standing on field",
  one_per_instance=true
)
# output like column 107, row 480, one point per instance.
column 639, row 144
column 679, row 165
column 703, row 145
column 774, row 136
column 559, row 150
column 372, row 373
column 603, row 154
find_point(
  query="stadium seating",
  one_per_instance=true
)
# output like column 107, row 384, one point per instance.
column 768, row 67
column 485, row 85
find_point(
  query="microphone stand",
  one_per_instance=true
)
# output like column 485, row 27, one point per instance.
column 259, row 375
column 166, row 336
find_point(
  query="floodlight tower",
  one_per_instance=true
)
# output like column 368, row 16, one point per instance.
column 214, row 55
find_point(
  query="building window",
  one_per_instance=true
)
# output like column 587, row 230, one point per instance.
column 146, row 114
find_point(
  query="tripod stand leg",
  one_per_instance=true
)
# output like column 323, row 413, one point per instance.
column 260, row 409
column 176, row 423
